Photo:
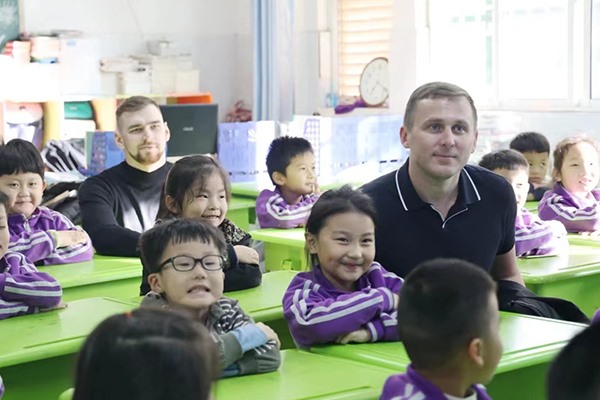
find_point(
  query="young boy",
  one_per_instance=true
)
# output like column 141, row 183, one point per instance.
column 23, row 289
column 291, row 166
column 448, row 321
column 532, row 235
column 43, row 235
column 184, row 261
column 536, row 149
column 575, row 372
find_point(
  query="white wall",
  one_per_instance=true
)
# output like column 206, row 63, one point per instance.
column 219, row 34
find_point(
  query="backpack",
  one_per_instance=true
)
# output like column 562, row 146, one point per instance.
column 515, row 298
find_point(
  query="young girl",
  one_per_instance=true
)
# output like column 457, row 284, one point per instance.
column 574, row 199
column 347, row 297
column 146, row 354
column 23, row 289
column 198, row 187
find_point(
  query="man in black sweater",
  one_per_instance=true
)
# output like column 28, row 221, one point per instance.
column 120, row 203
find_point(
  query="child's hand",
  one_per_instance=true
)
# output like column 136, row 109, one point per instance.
column 270, row 333
column 396, row 301
column 59, row 306
column 246, row 255
column 358, row 336
column 316, row 188
column 69, row 238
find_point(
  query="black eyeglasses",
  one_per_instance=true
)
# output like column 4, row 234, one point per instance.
column 187, row 263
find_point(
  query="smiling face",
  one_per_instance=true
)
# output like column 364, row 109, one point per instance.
column 441, row 139
column 345, row 247
column 24, row 191
column 4, row 234
column 143, row 136
column 518, row 178
column 300, row 176
column 196, row 289
column 206, row 202
column 580, row 169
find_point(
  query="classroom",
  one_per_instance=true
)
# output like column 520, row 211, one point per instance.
column 299, row 199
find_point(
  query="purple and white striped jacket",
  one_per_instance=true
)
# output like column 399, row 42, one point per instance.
column 576, row 214
column 30, row 236
column 316, row 312
column 272, row 211
column 412, row 385
column 536, row 237
column 24, row 289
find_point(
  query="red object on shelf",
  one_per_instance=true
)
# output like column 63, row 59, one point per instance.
column 199, row 98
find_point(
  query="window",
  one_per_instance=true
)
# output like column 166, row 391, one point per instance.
column 363, row 32
column 504, row 51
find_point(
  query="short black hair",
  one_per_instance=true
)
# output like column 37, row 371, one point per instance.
column 575, row 372
column 508, row 159
column 281, row 152
column 147, row 354
column 19, row 156
column 444, row 304
column 530, row 142
column 177, row 230
column 338, row 201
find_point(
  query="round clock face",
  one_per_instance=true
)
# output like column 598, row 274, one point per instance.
column 374, row 82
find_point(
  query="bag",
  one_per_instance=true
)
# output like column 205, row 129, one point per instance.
column 515, row 298
column 62, row 197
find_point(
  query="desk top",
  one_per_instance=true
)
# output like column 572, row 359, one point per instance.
column 54, row 333
column 527, row 341
column 99, row 269
column 238, row 203
column 288, row 237
column 581, row 261
column 575, row 238
column 305, row 375
column 263, row 303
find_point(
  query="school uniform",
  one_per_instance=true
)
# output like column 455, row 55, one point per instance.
column 24, row 289
column 596, row 317
column 412, row 385
column 536, row 237
column 317, row 312
column 30, row 237
column 576, row 214
column 272, row 211
column 243, row 348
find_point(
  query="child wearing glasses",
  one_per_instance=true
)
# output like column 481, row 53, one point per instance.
column 183, row 259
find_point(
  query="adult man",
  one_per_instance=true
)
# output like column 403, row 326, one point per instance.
column 121, row 202
column 437, row 206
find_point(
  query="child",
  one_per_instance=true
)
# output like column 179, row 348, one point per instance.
column 291, row 166
column 43, row 235
column 184, row 261
column 23, row 289
column 575, row 372
column 574, row 199
column 347, row 297
column 146, row 354
column 536, row 149
column 198, row 187
column 448, row 321
column 532, row 235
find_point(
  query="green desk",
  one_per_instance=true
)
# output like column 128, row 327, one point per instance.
column 37, row 352
column 242, row 211
column 575, row 238
column 530, row 343
column 284, row 248
column 575, row 277
column 103, row 276
column 532, row 206
column 304, row 375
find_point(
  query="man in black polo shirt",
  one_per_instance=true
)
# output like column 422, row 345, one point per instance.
column 436, row 205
